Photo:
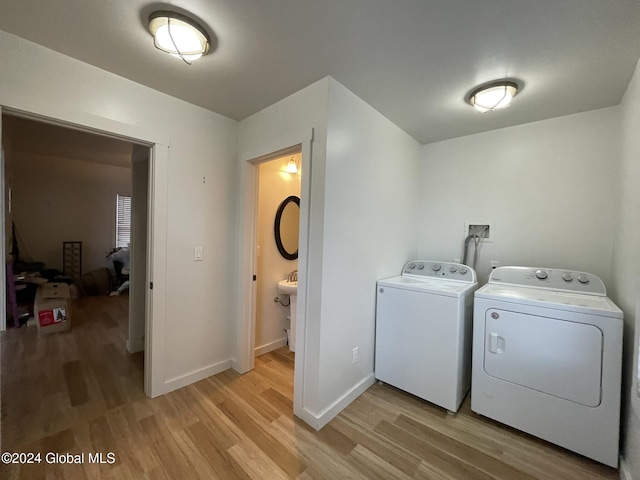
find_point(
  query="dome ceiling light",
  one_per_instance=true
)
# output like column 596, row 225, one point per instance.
column 493, row 96
column 178, row 35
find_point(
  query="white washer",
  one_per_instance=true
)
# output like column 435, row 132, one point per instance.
column 423, row 331
column 547, row 358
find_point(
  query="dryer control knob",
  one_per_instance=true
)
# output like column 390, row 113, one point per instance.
column 541, row 274
column 462, row 270
column 567, row 277
column 582, row 278
column 453, row 269
column 412, row 266
column 420, row 266
column 436, row 267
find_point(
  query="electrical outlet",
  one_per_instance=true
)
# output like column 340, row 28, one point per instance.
column 355, row 355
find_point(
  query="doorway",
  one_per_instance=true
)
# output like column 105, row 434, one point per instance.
column 276, row 250
column 82, row 171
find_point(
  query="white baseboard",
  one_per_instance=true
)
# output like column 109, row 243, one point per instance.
column 318, row 421
column 182, row 381
column 269, row 347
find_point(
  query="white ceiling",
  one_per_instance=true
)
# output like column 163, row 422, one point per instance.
column 412, row 60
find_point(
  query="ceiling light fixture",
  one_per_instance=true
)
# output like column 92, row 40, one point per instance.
column 493, row 96
column 178, row 35
column 292, row 166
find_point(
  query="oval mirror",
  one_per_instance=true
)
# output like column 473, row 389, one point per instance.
column 286, row 227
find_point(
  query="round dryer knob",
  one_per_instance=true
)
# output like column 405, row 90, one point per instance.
column 583, row 278
column 541, row 274
column 453, row 269
column 420, row 266
column 462, row 270
column 567, row 277
column 436, row 267
column 412, row 266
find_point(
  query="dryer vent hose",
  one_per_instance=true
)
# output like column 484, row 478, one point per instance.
column 476, row 241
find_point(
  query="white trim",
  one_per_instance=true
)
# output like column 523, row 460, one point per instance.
column 154, row 384
column 200, row 374
column 270, row 347
column 41, row 111
column 302, row 312
column 318, row 421
column 244, row 358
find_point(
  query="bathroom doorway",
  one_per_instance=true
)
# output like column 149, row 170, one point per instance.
column 296, row 143
column 277, row 236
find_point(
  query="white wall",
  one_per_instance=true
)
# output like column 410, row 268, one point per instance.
column 271, row 317
column 57, row 200
column 627, row 265
column 195, row 323
column 300, row 118
column 575, row 180
column 548, row 187
column 361, row 228
column 370, row 232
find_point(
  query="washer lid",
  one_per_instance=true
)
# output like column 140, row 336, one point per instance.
column 560, row 300
column 434, row 286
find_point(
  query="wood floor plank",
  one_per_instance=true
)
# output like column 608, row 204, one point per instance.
column 322, row 460
column 222, row 464
column 131, row 449
column 172, row 460
column 464, row 453
column 256, row 464
column 439, row 460
column 282, row 404
column 364, row 435
column 373, row 467
column 76, row 385
column 288, row 461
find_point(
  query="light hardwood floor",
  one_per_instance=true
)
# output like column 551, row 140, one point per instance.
column 81, row 392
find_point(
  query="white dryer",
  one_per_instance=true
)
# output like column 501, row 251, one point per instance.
column 547, row 358
column 423, row 331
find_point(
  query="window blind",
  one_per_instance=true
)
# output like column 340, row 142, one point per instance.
column 123, row 220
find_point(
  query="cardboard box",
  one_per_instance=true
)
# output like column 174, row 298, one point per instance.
column 51, row 308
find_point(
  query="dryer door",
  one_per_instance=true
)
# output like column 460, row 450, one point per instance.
column 552, row 356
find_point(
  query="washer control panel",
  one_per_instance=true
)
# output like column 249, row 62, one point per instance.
column 549, row 278
column 445, row 270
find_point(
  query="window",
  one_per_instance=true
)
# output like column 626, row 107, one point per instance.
column 123, row 220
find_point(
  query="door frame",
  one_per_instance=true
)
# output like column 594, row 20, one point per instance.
column 156, row 231
column 249, row 162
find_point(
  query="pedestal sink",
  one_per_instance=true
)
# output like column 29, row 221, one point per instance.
column 291, row 289
column 285, row 287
